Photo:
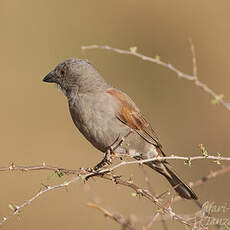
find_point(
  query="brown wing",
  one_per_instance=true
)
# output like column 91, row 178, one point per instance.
column 132, row 117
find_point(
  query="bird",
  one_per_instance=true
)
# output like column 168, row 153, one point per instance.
column 110, row 120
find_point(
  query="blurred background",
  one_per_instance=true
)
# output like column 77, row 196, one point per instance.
column 36, row 126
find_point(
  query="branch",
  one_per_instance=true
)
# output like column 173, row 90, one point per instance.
column 17, row 209
column 155, row 216
column 124, row 222
column 146, row 194
column 166, row 209
column 187, row 160
column 13, row 167
column 104, row 174
column 216, row 98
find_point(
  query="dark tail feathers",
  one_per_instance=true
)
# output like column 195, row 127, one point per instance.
column 180, row 187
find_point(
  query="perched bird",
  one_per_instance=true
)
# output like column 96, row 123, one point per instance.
column 110, row 120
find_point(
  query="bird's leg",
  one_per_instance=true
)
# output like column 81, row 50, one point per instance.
column 120, row 142
column 107, row 160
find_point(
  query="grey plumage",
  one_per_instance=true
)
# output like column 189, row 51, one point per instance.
column 104, row 115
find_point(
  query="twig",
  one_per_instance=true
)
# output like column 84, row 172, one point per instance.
column 124, row 222
column 165, row 227
column 150, row 188
column 13, row 167
column 172, row 157
column 194, row 64
column 82, row 174
column 148, row 181
column 156, row 215
column 149, row 196
column 153, row 219
column 18, row 208
column 216, row 97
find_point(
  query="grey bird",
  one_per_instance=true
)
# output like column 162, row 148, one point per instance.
column 110, row 120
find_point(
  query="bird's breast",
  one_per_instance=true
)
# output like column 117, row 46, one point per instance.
column 95, row 117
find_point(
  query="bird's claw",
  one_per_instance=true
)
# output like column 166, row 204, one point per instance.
column 107, row 160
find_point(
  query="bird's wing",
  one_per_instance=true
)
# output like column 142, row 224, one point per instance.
column 131, row 116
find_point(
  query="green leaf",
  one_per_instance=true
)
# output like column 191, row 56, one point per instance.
column 159, row 210
column 217, row 161
column 203, row 150
column 133, row 49
column 12, row 207
column 188, row 161
column 157, row 57
column 217, row 99
column 134, row 194
column 59, row 173
column 205, row 153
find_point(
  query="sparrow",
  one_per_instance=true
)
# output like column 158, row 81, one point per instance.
column 110, row 120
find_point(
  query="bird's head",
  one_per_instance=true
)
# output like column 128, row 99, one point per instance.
column 74, row 75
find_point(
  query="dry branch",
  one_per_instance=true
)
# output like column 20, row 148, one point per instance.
column 106, row 174
column 13, row 167
column 124, row 222
column 217, row 98
column 43, row 166
column 18, row 208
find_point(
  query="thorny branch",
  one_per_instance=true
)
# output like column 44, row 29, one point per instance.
column 106, row 174
column 166, row 209
column 217, row 98
column 187, row 160
column 124, row 222
column 13, row 167
column 18, row 208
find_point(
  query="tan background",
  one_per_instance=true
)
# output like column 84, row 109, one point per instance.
column 35, row 123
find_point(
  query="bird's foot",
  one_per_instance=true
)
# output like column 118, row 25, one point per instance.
column 107, row 160
column 89, row 170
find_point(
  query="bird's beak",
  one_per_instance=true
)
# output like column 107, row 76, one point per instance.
column 50, row 77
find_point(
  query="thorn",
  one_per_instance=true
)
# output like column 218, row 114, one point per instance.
column 130, row 180
column 46, row 186
column 12, row 166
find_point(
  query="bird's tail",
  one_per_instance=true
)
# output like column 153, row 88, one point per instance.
column 180, row 187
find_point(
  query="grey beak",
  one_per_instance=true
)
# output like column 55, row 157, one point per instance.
column 49, row 78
